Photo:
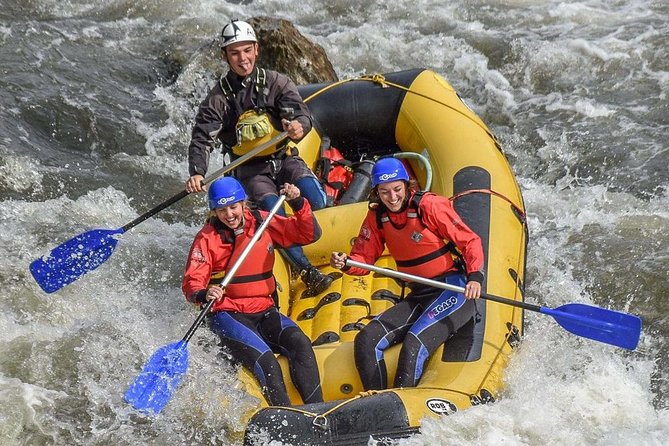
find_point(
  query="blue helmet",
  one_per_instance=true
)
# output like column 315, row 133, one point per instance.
column 388, row 169
column 224, row 192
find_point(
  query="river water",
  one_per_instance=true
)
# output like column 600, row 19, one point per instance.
column 96, row 103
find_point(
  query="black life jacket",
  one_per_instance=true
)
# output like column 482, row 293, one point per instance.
column 261, row 88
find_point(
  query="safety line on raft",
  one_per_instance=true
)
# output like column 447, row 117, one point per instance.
column 516, row 288
column 381, row 80
column 491, row 192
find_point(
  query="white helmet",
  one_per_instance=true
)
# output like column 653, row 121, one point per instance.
column 237, row 31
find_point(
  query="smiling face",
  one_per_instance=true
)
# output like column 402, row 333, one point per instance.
column 241, row 57
column 392, row 194
column 231, row 216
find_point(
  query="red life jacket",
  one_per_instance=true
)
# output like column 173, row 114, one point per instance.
column 334, row 173
column 416, row 249
column 254, row 278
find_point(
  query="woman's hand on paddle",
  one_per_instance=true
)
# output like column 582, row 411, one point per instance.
column 290, row 191
column 215, row 292
column 338, row 260
column 473, row 290
column 194, row 184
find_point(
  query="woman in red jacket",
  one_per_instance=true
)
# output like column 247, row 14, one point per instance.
column 245, row 315
column 421, row 231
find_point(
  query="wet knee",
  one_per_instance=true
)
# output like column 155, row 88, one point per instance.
column 311, row 190
column 298, row 344
column 268, row 370
column 411, row 343
column 267, row 203
column 368, row 338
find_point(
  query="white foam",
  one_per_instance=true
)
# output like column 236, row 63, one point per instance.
column 539, row 84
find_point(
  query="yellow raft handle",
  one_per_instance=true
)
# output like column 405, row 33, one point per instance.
column 424, row 161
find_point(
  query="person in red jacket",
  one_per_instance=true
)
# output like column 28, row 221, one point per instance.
column 421, row 231
column 245, row 315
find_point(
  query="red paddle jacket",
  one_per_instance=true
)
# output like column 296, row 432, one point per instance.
column 418, row 239
column 216, row 247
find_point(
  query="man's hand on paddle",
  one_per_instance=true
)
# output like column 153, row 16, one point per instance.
column 294, row 129
column 194, row 184
column 290, row 191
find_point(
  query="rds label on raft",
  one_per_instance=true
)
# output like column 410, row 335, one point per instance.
column 440, row 406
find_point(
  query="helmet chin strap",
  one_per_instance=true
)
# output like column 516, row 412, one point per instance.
column 239, row 229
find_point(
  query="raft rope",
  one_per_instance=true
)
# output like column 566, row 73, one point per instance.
column 522, row 217
column 517, row 208
column 321, row 420
column 380, row 80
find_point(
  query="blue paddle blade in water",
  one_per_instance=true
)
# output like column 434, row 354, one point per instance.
column 161, row 375
column 74, row 258
column 608, row 326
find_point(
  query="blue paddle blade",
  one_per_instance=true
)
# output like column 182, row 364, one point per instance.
column 74, row 258
column 608, row 326
column 161, row 375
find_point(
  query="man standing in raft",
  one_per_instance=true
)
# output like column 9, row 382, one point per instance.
column 245, row 315
column 243, row 110
column 421, row 231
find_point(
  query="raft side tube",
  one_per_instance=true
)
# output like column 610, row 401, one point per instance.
column 380, row 416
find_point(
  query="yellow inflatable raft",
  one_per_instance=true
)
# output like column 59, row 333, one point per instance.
column 417, row 115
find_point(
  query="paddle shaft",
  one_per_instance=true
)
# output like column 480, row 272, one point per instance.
column 608, row 326
column 231, row 272
column 437, row 284
column 233, row 165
